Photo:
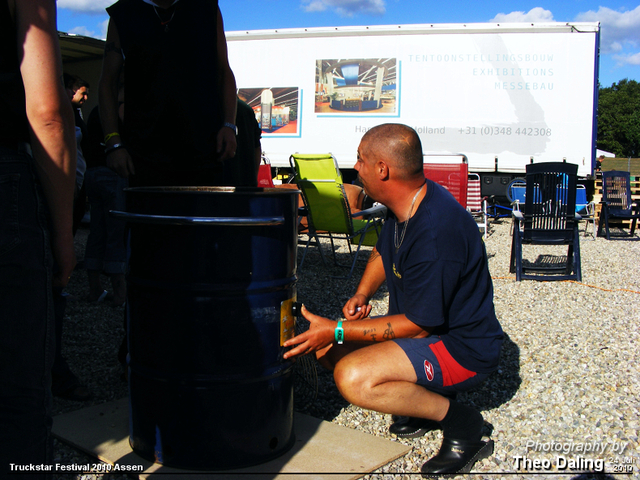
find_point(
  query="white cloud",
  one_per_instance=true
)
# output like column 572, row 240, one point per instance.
column 84, row 31
column 619, row 30
column 629, row 59
column 104, row 26
column 537, row 14
column 346, row 8
column 85, row 6
column 614, row 47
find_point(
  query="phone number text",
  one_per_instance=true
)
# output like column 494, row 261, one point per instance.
column 506, row 131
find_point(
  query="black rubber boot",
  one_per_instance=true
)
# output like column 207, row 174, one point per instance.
column 412, row 427
column 456, row 457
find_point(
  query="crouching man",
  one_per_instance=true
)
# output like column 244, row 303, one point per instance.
column 441, row 335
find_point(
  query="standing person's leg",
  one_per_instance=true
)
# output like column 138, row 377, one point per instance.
column 96, row 241
column 65, row 383
column 26, row 316
column 115, row 258
column 79, row 207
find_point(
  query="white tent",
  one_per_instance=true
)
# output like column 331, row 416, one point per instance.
column 599, row 153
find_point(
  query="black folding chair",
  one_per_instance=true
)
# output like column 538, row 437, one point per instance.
column 549, row 218
column 617, row 202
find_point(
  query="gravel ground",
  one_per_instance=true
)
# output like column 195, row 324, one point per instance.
column 568, row 379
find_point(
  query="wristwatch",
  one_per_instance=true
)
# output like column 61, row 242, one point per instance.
column 339, row 333
column 231, row 126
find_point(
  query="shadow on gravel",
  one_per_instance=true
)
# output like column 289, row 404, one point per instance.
column 343, row 259
column 328, row 403
column 502, row 385
column 593, row 476
column 622, row 237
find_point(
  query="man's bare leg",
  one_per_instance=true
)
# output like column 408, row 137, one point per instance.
column 380, row 377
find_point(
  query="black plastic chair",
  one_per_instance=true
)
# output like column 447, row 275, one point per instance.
column 617, row 202
column 549, row 218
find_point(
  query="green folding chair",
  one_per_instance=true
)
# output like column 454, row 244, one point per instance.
column 327, row 207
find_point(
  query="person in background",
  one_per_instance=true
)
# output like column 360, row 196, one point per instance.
column 599, row 163
column 242, row 169
column 168, row 138
column 65, row 384
column 37, row 180
column 78, row 93
column 441, row 335
column 105, row 251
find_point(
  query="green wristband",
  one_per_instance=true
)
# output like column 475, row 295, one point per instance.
column 339, row 334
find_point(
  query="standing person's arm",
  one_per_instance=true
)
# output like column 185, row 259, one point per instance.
column 52, row 123
column 226, row 138
column 117, row 158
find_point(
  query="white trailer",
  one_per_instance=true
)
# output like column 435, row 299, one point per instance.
column 501, row 94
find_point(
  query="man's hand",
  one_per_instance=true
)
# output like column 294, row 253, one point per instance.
column 357, row 307
column 120, row 162
column 320, row 335
column 226, row 143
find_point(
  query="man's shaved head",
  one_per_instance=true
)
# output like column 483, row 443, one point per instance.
column 398, row 145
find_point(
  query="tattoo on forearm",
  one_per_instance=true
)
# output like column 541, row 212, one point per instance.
column 373, row 256
column 388, row 333
column 370, row 332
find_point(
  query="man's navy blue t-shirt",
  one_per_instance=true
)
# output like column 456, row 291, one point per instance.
column 439, row 278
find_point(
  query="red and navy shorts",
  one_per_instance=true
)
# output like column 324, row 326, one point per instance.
column 435, row 368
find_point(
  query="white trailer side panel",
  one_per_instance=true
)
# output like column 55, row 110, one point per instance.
column 513, row 92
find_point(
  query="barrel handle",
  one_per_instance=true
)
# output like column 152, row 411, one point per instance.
column 216, row 221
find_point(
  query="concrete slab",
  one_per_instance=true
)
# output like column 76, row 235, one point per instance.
column 322, row 450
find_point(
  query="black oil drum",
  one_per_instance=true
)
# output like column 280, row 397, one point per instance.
column 212, row 277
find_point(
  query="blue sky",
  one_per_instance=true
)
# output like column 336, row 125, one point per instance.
column 620, row 20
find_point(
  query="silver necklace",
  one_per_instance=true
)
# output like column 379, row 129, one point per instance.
column 164, row 23
column 397, row 243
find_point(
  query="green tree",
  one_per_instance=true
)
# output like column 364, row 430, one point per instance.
column 619, row 119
